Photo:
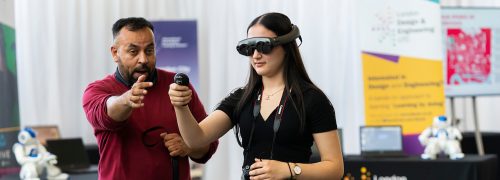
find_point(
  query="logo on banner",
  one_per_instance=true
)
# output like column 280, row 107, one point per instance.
column 173, row 42
column 393, row 27
column 367, row 175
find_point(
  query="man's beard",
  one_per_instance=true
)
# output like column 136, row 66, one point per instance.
column 129, row 76
column 141, row 68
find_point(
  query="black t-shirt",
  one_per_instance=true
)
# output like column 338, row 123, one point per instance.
column 290, row 145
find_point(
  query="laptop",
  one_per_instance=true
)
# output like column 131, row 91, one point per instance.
column 71, row 155
column 381, row 141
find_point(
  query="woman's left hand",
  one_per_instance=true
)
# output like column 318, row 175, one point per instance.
column 269, row 169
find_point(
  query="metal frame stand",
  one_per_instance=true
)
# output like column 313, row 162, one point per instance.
column 452, row 114
column 477, row 133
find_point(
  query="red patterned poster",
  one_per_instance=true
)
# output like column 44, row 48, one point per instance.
column 472, row 47
column 469, row 56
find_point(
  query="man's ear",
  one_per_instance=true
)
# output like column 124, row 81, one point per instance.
column 114, row 53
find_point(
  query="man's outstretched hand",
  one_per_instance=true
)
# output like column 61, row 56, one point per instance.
column 136, row 94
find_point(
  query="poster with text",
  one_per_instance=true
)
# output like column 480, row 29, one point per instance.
column 472, row 51
column 177, row 48
column 402, row 65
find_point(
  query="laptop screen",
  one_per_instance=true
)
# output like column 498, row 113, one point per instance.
column 70, row 153
column 380, row 139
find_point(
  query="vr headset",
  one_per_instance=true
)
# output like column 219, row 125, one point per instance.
column 264, row 45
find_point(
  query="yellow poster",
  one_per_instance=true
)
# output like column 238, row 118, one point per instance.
column 402, row 91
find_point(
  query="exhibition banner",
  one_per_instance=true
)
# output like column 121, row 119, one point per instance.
column 9, row 104
column 472, row 51
column 402, row 65
column 177, row 48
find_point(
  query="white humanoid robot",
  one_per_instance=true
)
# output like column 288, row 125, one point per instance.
column 34, row 158
column 441, row 136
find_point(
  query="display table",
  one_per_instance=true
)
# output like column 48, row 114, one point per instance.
column 472, row 167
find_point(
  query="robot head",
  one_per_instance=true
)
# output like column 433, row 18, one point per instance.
column 441, row 121
column 26, row 136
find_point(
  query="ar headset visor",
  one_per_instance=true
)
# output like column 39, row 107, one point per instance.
column 265, row 45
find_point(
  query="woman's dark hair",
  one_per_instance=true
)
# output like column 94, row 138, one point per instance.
column 295, row 75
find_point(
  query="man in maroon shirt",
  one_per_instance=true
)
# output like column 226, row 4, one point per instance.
column 130, row 111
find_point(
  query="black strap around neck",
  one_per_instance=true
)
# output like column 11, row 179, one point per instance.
column 277, row 120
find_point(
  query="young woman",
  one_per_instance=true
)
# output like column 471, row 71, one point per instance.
column 278, row 113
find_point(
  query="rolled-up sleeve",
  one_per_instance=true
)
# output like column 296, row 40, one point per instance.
column 94, row 105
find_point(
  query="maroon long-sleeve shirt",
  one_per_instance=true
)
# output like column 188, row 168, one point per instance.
column 124, row 147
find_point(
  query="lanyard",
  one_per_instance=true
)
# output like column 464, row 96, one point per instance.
column 277, row 120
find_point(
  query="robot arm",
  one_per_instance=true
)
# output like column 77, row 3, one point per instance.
column 455, row 134
column 47, row 156
column 424, row 136
column 23, row 157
